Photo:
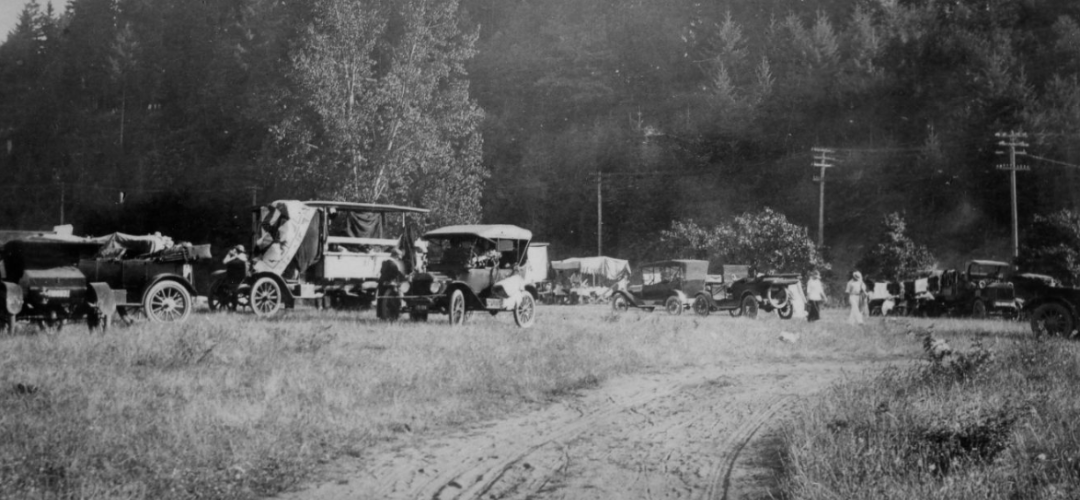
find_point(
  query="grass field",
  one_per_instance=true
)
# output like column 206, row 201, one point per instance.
column 230, row 406
column 996, row 419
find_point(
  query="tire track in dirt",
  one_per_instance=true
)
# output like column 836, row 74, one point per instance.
column 659, row 436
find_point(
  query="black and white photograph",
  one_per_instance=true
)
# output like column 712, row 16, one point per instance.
column 539, row 249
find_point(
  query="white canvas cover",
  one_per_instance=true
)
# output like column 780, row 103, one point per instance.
column 606, row 267
column 537, row 270
column 274, row 252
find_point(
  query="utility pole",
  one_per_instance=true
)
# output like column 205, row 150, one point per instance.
column 1012, row 140
column 599, row 215
column 254, row 195
column 823, row 161
column 61, row 203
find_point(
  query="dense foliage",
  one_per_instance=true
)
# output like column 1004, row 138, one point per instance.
column 1051, row 245
column 689, row 109
column 764, row 240
column 895, row 257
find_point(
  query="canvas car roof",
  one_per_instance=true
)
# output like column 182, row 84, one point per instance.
column 989, row 263
column 700, row 267
column 489, row 231
column 365, row 207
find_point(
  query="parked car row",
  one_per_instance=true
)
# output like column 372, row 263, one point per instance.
column 343, row 255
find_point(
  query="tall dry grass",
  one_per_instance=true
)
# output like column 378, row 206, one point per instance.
column 230, row 406
column 995, row 419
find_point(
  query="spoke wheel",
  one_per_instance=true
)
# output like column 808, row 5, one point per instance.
column 701, row 306
column 457, row 308
column 787, row 311
column 221, row 297
column 266, row 297
column 620, row 304
column 750, row 307
column 978, row 309
column 525, row 312
column 673, row 306
column 166, row 302
column 1053, row 319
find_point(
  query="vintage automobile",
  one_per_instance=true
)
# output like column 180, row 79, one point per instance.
column 467, row 268
column 981, row 290
column 672, row 284
column 330, row 252
column 51, row 279
column 741, row 293
column 1054, row 310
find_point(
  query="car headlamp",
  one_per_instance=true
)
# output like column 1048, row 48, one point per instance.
column 404, row 287
column 436, row 287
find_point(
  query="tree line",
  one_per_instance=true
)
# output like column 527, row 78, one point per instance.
column 507, row 111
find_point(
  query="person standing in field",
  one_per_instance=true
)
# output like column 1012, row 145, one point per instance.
column 856, row 290
column 815, row 296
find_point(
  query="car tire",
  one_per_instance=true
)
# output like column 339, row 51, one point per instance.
column 167, row 302
column 1053, row 319
column 620, row 304
column 750, row 307
column 525, row 311
column 786, row 312
column 978, row 310
column 266, row 297
column 456, row 308
column 7, row 323
column 673, row 306
column 221, row 297
column 701, row 306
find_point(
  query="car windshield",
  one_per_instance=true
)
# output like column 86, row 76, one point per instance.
column 661, row 274
column 985, row 271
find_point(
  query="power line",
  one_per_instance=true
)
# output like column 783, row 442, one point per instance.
column 1048, row 160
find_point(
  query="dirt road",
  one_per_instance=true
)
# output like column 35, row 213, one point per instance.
column 699, row 433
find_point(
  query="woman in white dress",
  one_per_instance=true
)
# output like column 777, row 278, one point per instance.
column 856, row 290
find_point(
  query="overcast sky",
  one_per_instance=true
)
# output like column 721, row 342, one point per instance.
column 9, row 13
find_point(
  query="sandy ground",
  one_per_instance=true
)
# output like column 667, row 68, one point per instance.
column 699, row 433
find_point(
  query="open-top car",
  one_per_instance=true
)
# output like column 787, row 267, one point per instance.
column 327, row 251
column 467, row 268
column 51, row 279
column 671, row 284
column 740, row 293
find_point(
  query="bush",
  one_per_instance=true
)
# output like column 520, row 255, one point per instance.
column 895, row 257
column 764, row 240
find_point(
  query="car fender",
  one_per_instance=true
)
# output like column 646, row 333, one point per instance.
column 471, row 299
column 1031, row 305
column 531, row 288
column 13, row 298
column 169, row 277
column 629, row 298
column 100, row 295
column 682, row 297
column 286, row 294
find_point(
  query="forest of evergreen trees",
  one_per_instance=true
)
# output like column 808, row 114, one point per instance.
column 505, row 111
